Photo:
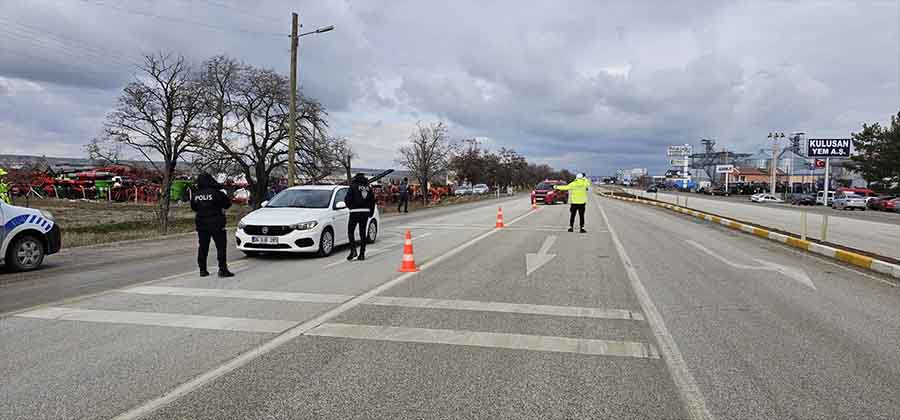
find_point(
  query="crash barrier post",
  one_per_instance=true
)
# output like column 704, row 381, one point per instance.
column 803, row 225
column 824, row 235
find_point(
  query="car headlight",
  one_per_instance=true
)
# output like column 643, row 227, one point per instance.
column 241, row 225
column 304, row 225
column 47, row 215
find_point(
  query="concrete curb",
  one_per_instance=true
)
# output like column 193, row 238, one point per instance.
column 852, row 258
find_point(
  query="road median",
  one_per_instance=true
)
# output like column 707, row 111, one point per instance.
column 880, row 264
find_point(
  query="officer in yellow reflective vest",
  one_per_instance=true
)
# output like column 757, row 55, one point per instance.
column 4, row 188
column 578, row 190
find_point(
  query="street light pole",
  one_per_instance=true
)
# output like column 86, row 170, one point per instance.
column 292, row 124
column 774, row 166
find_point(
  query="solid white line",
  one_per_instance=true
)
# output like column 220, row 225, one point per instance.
column 239, row 294
column 681, row 375
column 161, row 319
column 241, row 360
column 518, row 308
column 487, row 339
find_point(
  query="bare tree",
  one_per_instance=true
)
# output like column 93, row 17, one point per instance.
column 104, row 150
column 345, row 155
column 245, row 121
column 316, row 159
column 157, row 115
column 428, row 152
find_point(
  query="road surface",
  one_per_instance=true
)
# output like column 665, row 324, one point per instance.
column 649, row 315
column 879, row 237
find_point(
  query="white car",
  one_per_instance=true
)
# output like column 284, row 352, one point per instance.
column 311, row 218
column 481, row 189
column 26, row 237
column 462, row 190
column 765, row 198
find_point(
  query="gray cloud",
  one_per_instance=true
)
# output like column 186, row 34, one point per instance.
column 577, row 84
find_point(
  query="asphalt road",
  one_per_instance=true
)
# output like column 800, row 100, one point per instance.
column 881, row 237
column 649, row 315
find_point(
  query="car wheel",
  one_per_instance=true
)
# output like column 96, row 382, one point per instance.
column 372, row 232
column 25, row 254
column 251, row 254
column 326, row 243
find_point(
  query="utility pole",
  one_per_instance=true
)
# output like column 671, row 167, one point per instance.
column 292, row 133
column 774, row 137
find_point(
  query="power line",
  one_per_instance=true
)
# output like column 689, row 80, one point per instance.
column 43, row 38
column 238, row 10
column 43, row 43
column 180, row 20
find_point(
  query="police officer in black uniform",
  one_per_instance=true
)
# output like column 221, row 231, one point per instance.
column 210, row 202
column 361, row 202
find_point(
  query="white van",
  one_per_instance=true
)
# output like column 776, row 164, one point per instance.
column 820, row 198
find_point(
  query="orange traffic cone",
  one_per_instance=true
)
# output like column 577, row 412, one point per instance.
column 409, row 263
column 534, row 204
column 499, row 218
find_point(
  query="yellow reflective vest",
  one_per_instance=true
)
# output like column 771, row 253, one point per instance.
column 577, row 189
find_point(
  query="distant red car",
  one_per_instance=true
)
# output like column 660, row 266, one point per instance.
column 544, row 193
column 891, row 205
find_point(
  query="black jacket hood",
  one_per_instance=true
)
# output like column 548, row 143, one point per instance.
column 206, row 180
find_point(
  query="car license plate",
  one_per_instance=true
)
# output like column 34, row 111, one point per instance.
column 264, row 239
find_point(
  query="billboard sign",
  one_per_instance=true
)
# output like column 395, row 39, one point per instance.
column 679, row 150
column 724, row 169
column 828, row 148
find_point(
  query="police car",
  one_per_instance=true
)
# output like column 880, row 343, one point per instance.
column 26, row 237
column 312, row 218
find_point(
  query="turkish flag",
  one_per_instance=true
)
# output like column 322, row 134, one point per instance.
column 820, row 163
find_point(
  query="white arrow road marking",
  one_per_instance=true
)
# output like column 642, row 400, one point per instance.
column 535, row 261
column 791, row 272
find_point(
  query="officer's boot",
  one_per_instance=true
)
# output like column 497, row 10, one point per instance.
column 353, row 253
column 223, row 271
column 203, row 272
column 362, row 251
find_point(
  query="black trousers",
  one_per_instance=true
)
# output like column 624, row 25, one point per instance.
column 219, row 237
column 579, row 208
column 404, row 203
column 358, row 221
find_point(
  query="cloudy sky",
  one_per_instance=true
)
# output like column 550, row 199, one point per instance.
column 585, row 85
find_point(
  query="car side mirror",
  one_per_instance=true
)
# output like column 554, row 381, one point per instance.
column 340, row 205
column 264, row 203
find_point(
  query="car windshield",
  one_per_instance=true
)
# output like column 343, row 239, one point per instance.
column 544, row 186
column 307, row 199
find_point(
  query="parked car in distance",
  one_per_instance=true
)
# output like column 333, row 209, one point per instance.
column 849, row 201
column 766, row 198
column 820, row 197
column 462, row 190
column 311, row 218
column 544, row 193
column 891, row 205
column 481, row 189
column 877, row 203
column 652, row 189
column 804, row 200
column 755, row 197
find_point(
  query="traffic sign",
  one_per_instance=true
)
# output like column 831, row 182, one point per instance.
column 678, row 162
column 828, row 148
column 679, row 150
column 724, row 169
